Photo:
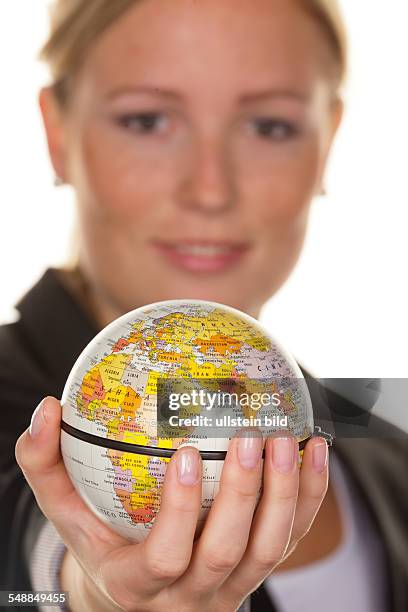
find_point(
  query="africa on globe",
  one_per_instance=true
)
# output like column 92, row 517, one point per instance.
column 173, row 373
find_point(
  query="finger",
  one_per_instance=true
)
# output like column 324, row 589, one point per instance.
column 271, row 528
column 226, row 530
column 164, row 556
column 39, row 457
column 312, row 489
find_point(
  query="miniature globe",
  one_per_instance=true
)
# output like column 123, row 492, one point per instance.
column 128, row 403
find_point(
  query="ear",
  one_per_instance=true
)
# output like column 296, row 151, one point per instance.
column 53, row 119
column 335, row 117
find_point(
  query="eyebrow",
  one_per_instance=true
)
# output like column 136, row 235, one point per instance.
column 244, row 99
column 126, row 90
column 274, row 93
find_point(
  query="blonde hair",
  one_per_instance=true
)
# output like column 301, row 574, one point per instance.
column 76, row 24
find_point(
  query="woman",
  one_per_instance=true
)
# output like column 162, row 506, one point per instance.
column 195, row 136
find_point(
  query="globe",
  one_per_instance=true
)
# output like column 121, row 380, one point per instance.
column 131, row 400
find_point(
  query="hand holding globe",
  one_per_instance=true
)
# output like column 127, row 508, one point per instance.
column 127, row 500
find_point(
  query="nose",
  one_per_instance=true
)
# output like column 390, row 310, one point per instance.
column 208, row 185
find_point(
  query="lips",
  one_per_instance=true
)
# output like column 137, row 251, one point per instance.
column 202, row 255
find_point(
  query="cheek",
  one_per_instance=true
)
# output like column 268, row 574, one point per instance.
column 114, row 178
column 283, row 181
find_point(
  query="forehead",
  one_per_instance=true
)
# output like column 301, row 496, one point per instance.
column 221, row 43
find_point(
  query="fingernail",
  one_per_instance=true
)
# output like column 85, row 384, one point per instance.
column 319, row 457
column 37, row 420
column 283, row 454
column 188, row 467
column 249, row 450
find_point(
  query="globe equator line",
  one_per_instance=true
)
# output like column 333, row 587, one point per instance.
column 140, row 449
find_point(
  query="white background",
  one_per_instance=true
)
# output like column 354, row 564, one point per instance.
column 344, row 310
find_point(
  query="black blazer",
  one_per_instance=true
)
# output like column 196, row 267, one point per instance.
column 36, row 356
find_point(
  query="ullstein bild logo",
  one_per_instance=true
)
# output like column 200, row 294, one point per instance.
column 216, row 406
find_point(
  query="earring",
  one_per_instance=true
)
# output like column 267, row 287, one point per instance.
column 58, row 181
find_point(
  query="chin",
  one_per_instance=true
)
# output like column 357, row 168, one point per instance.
column 233, row 297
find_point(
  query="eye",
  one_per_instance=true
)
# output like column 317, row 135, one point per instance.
column 275, row 129
column 143, row 123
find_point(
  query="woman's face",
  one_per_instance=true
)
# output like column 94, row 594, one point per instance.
column 195, row 139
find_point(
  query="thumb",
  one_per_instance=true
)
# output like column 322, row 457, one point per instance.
column 39, row 457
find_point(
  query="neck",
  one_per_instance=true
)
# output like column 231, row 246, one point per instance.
column 100, row 309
